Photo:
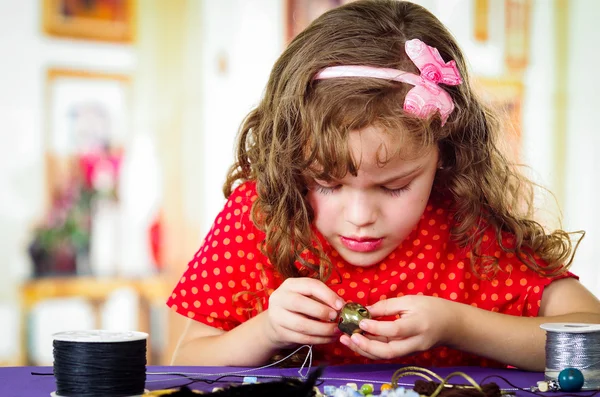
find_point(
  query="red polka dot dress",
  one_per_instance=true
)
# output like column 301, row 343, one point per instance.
column 229, row 280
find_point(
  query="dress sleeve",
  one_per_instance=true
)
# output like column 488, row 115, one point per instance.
column 226, row 282
column 533, row 297
column 515, row 289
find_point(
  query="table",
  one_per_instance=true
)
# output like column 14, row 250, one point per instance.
column 19, row 381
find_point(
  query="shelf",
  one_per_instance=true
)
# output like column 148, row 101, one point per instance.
column 93, row 288
column 151, row 291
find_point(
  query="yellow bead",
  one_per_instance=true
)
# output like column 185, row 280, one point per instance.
column 386, row 386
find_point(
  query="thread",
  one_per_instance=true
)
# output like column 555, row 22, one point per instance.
column 99, row 363
column 192, row 375
column 573, row 345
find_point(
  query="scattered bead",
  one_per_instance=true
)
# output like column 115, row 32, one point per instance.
column 570, row 379
column 399, row 392
column 354, row 386
column 553, row 385
column 542, row 386
column 346, row 391
column 386, row 386
column 250, row 379
column 367, row 388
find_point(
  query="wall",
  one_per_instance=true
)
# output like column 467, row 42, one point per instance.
column 582, row 181
column 246, row 54
column 26, row 53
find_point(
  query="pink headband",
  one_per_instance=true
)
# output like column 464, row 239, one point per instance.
column 426, row 97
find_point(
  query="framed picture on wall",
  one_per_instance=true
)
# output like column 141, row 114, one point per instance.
column 300, row 13
column 505, row 95
column 88, row 119
column 106, row 20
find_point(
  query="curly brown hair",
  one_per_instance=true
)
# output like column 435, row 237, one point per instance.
column 301, row 123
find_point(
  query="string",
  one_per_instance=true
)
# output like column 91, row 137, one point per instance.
column 429, row 375
column 284, row 386
column 574, row 350
column 250, row 370
column 99, row 369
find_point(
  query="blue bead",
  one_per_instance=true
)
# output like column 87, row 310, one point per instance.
column 570, row 379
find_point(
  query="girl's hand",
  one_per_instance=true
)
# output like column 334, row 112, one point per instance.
column 424, row 322
column 302, row 311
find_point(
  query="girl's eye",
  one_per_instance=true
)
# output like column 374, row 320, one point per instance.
column 396, row 192
column 328, row 188
column 325, row 188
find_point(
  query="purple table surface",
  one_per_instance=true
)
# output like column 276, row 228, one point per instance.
column 20, row 382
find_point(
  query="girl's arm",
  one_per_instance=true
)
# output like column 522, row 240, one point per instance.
column 301, row 311
column 520, row 341
column 245, row 345
column 426, row 322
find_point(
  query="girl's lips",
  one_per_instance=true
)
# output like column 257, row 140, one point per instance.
column 361, row 244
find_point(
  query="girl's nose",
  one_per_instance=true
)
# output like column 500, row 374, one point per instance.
column 361, row 210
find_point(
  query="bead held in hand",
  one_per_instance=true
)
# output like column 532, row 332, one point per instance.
column 351, row 314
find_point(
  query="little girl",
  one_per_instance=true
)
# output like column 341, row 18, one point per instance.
column 369, row 173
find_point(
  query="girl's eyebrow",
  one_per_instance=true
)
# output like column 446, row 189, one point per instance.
column 403, row 175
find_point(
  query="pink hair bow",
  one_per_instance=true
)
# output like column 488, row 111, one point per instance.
column 426, row 97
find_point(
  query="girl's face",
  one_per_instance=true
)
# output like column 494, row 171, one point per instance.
column 366, row 217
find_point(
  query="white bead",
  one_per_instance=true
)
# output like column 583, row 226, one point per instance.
column 542, row 386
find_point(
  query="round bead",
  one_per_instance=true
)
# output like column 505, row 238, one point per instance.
column 367, row 388
column 350, row 317
column 386, row 386
column 542, row 386
column 570, row 379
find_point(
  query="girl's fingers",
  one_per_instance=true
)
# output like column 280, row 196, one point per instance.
column 387, row 307
column 300, row 324
column 385, row 350
column 316, row 289
column 400, row 328
column 307, row 306
column 292, row 336
column 348, row 342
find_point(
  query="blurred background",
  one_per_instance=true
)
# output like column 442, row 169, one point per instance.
column 117, row 123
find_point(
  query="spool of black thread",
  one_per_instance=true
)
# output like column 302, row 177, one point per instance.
column 99, row 363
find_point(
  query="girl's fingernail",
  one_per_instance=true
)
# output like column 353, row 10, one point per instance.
column 363, row 325
column 339, row 304
column 332, row 316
